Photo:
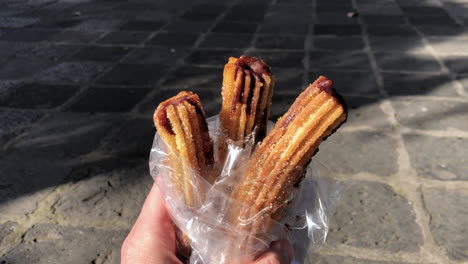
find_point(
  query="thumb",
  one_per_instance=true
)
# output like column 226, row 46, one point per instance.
column 280, row 252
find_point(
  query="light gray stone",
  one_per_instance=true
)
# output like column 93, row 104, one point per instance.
column 321, row 259
column 373, row 215
column 449, row 222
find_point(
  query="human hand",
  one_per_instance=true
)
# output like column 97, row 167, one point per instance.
column 152, row 239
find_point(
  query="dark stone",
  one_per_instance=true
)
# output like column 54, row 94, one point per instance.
column 349, row 83
column 235, row 27
column 36, row 95
column 395, row 43
column 218, row 40
column 131, row 138
column 438, row 158
column 283, row 28
column 155, row 55
column 174, row 39
column 423, row 11
column 279, row 42
column 449, row 45
column 54, row 23
column 98, row 25
column 109, row 99
column 76, row 37
column 14, row 122
column 439, row 30
column 71, row 72
column 338, row 43
column 444, row 20
column 18, row 68
column 447, row 209
column 373, row 152
column 133, row 75
column 283, row 59
column 96, row 53
column 48, row 243
column 28, row 35
column 407, row 61
column 338, row 18
column 188, row 26
column 339, row 60
column 362, row 221
column 431, row 114
column 384, row 19
column 337, row 30
column 204, row 12
column 289, row 80
column 124, row 37
column 391, row 30
column 66, row 134
column 211, row 78
column 419, row 84
column 142, row 25
column 212, row 57
column 240, row 13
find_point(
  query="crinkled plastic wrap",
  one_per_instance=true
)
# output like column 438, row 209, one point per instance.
column 214, row 239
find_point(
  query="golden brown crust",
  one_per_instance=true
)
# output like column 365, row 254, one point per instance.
column 277, row 164
column 247, row 91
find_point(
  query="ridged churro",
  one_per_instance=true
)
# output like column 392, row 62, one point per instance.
column 247, row 91
column 277, row 165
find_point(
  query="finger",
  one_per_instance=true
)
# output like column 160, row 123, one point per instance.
column 152, row 238
column 280, row 252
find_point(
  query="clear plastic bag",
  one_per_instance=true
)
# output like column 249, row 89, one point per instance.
column 213, row 238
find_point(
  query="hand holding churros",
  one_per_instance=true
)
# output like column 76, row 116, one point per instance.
column 250, row 211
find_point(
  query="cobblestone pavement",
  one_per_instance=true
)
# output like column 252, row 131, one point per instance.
column 79, row 80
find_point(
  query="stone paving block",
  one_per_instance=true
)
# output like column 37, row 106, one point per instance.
column 338, row 18
column 356, row 60
column 337, row 30
column 361, row 221
column 213, row 57
column 448, row 45
column 456, row 63
column 395, row 43
column 438, row 158
column 280, row 104
column 404, row 3
column 16, row 22
column 108, row 99
column 5, row 229
column 419, row 84
column 15, row 122
column 98, row 25
column 283, row 29
column 71, row 72
column 67, row 134
column 99, row 192
column 438, row 30
column 239, row 13
column 365, row 111
column 133, row 75
column 283, row 59
column 291, row 15
column 350, row 83
column 320, row 259
column 28, row 35
column 48, row 52
column 338, row 43
column 77, row 37
column 18, row 68
column 423, row 11
column 97, row 53
column 133, row 138
column 155, row 55
column 448, row 211
column 219, row 40
column 27, row 177
column 384, row 19
column 203, row 12
column 422, row 62
column 288, row 80
column 342, row 6
column 391, row 30
column 194, row 76
column 373, row 152
column 54, row 23
column 463, row 79
column 173, row 39
column 47, row 243
column 445, row 20
column 37, row 96
column 431, row 114
column 188, row 26
column 141, row 25
column 124, row 37
column 279, row 42
column 235, row 27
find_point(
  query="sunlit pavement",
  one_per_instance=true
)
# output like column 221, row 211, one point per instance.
column 79, row 81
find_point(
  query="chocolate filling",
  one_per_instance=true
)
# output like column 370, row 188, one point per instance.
column 166, row 123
